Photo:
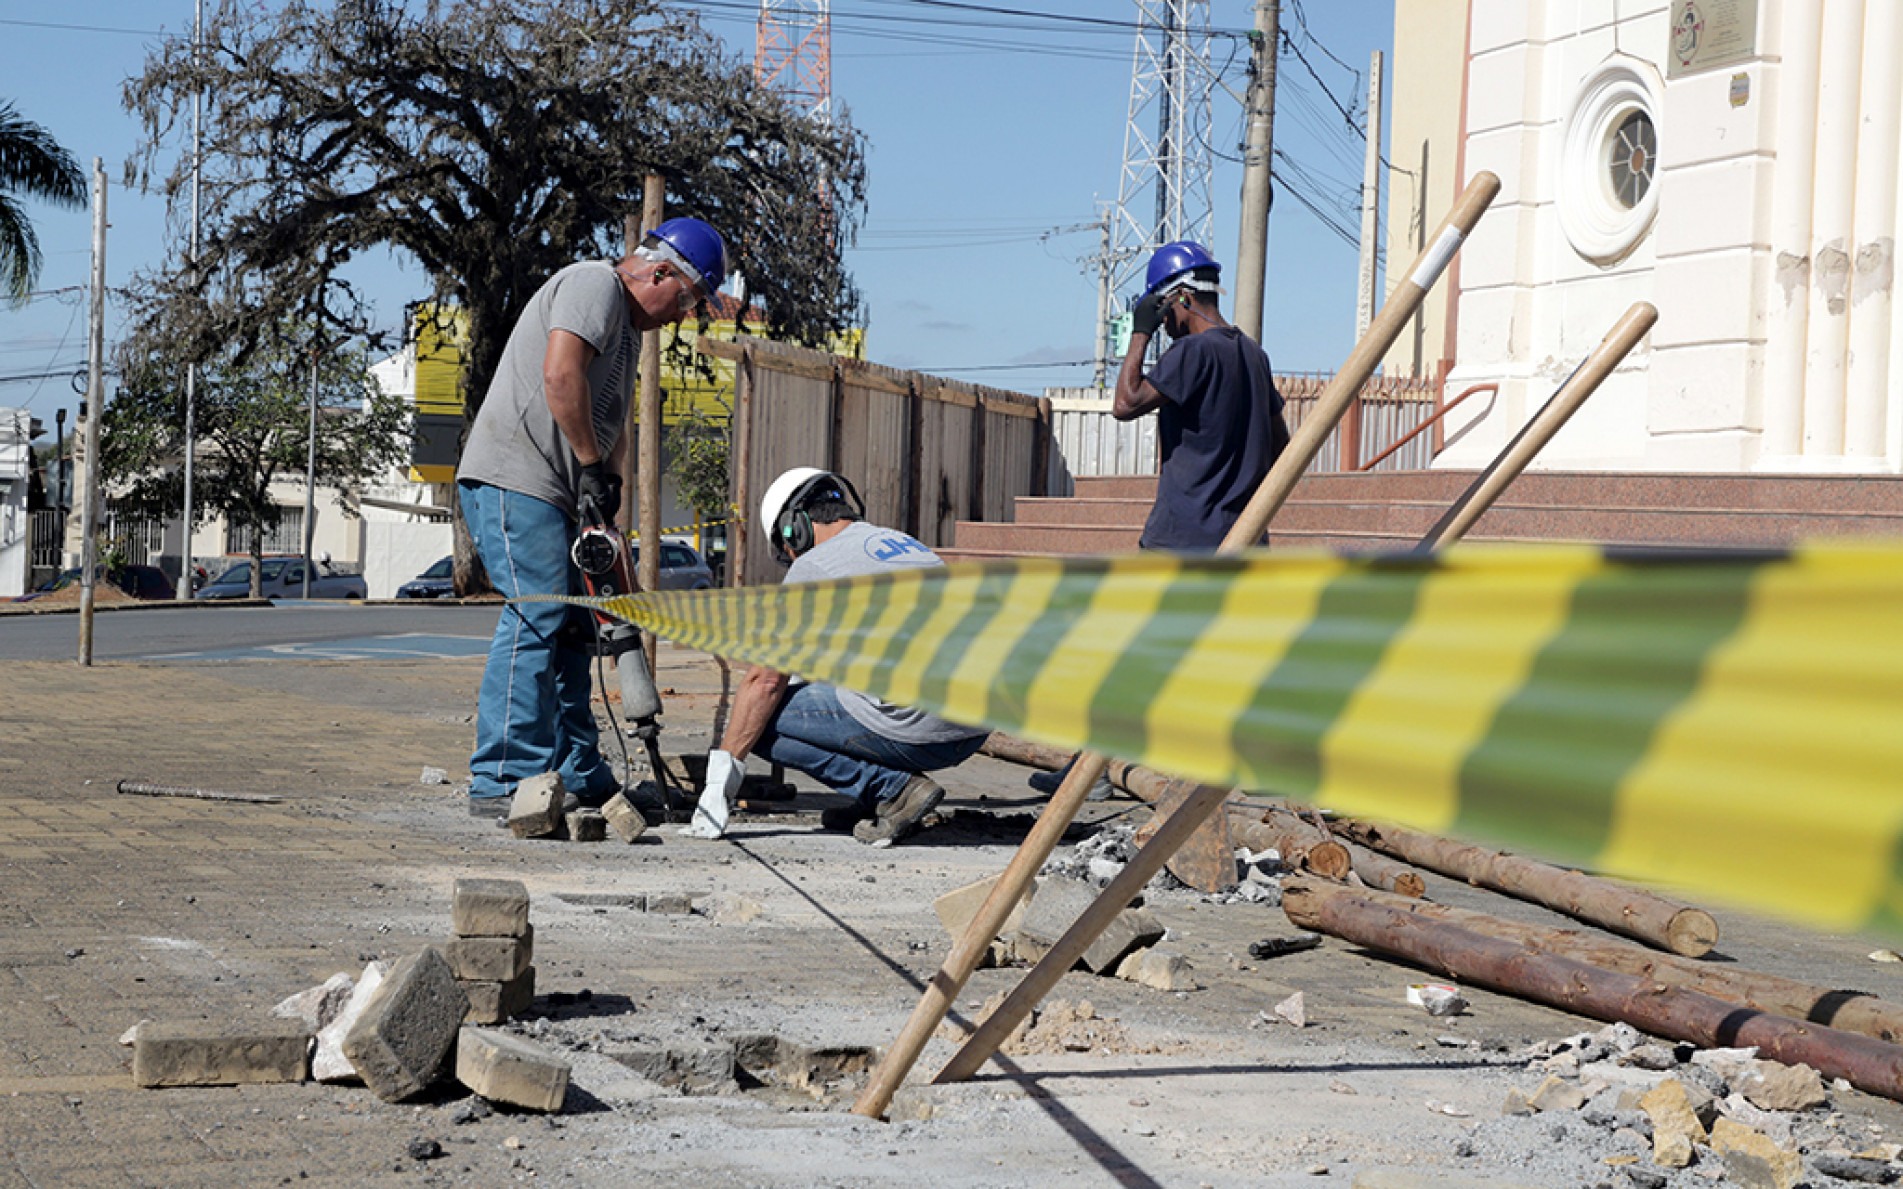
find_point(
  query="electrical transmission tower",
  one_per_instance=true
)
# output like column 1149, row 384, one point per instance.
column 793, row 53
column 1163, row 193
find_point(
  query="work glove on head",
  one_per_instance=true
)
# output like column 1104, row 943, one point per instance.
column 1147, row 314
column 600, row 487
column 717, row 797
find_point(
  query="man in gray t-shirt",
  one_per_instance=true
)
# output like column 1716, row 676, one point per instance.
column 544, row 455
column 873, row 752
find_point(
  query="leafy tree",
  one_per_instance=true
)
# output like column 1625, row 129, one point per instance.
column 31, row 163
column 252, row 419
column 697, row 457
column 496, row 141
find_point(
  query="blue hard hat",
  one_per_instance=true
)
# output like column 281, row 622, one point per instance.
column 1173, row 260
column 700, row 246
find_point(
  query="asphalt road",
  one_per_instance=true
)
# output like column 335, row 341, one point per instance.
column 315, row 631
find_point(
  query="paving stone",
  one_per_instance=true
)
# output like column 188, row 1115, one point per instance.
column 403, row 1039
column 199, row 1054
column 491, row 959
column 1058, row 904
column 624, row 819
column 319, row 1005
column 957, row 907
column 587, row 825
column 1775, row 1087
column 1752, row 1160
column 493, row 1002
column 691, row 1069
column 510, row 1069
column 328, row 1063
column 490, row 908
column 1161, row 969
column 536, row 809
column 1133, row 928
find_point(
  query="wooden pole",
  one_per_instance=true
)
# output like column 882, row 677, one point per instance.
column 1248, row 529
column 1384, row 874
column 1645, row 1003
column 95, row 413
column 648, row 465
column 1585, row 379
column 740, row 465
column 1634, row 912
column 1848, row 1011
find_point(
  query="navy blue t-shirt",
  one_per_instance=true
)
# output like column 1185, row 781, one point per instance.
column 1220, row 428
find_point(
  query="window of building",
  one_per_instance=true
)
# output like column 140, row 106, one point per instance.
column 1608, row 164
column 287, row 536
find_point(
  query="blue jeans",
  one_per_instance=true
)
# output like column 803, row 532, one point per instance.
column 813, row 733
column 533, row 713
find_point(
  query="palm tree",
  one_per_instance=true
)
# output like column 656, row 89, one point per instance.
column 32, row 163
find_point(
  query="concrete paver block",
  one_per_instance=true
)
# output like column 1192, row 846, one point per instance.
column 1133, row 928
column 491, row 959
column 509, row 1069
column 494, row 1002
column 536, row 810
column 957, row 907
column 1056, row 907
column 624, row 819
column 490, row 908
column 328, row 1063
column 200, row 1054
column 587, row 825
column 399, row 1045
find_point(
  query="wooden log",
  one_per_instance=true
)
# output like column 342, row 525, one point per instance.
column 1302, row 846
column 1849, row 1011
column 1624, row 909
column 1651, row 1006
column 1382, row 873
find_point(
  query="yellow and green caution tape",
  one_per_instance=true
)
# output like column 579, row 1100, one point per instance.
column 1728, row 724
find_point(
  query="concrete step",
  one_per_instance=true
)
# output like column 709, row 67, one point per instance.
column 1048, row 539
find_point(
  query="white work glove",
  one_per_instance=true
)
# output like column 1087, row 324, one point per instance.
column 717, row 797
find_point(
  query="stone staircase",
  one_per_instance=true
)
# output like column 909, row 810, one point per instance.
column 1388, row 510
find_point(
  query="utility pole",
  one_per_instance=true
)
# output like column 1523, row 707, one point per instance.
column 95, row 410
column 191, row 369
column 1252, row 256
column 310, row 478
column 1370, row 202
column 1102, row 374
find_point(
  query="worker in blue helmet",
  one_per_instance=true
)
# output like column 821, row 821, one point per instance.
column 1219, row 417
column 544, row 458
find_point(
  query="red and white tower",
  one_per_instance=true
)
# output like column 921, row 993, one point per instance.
column 793, row 53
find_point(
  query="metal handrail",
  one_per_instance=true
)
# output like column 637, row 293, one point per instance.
column 1427, row 424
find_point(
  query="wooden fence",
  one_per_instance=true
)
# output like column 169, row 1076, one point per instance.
column 924, row 451
column 1091, row 442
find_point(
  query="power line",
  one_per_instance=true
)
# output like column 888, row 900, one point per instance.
column 85, row 28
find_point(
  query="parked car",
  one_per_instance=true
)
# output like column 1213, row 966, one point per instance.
column 283, row 578
column 681, row 567
column 437, row 582
column 141, row 582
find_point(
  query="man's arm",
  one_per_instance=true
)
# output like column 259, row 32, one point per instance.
column 565, row 387
column 1135, row 395
column 758, row 700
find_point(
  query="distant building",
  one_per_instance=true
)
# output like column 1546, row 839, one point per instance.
column 16, row 525
column 1733, row 162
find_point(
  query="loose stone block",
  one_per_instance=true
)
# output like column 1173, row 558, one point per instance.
column 509, row 1069
column 624, row 819
column 1160, row 969
column 319, row 1005
column 491, row 959
column 536, row 810
column 956, row 908
column 1133, row 928
column 328, row 1063
column 1774, row 1087
column 494, row 1002
column 401, row 1043
column 1558, row 1094
column 1752, row 1160
column 587, row 825
column 1675, row 1125
column 490, row 908
column 204, row 1055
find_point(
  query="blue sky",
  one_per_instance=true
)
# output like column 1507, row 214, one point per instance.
column 985, row 140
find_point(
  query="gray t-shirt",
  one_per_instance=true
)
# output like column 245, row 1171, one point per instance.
column 515, row 443
column 862, row 548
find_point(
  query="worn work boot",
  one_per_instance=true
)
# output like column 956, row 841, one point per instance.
column 1049, row 782
column 899, row 817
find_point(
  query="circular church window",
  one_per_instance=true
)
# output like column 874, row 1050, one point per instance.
column 1607, row 199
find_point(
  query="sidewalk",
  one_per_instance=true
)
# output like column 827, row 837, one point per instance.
column 115, row 908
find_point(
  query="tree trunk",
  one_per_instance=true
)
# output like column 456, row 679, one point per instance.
column 1631, row 911
column 1384, row 874
column 1848, row 1011
column 1510, row 968
column 1301, row 845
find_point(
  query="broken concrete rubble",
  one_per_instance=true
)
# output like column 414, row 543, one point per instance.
column 1752, row 1159
column 319, row 1005
column 328, row 1063
column 1158, row 968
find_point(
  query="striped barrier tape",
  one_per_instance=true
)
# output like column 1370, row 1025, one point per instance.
column 635, row 534
column 1730, row 724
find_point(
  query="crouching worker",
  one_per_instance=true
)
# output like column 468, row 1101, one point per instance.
column 872, row 752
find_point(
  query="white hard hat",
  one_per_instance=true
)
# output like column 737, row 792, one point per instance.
column 774, row 502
